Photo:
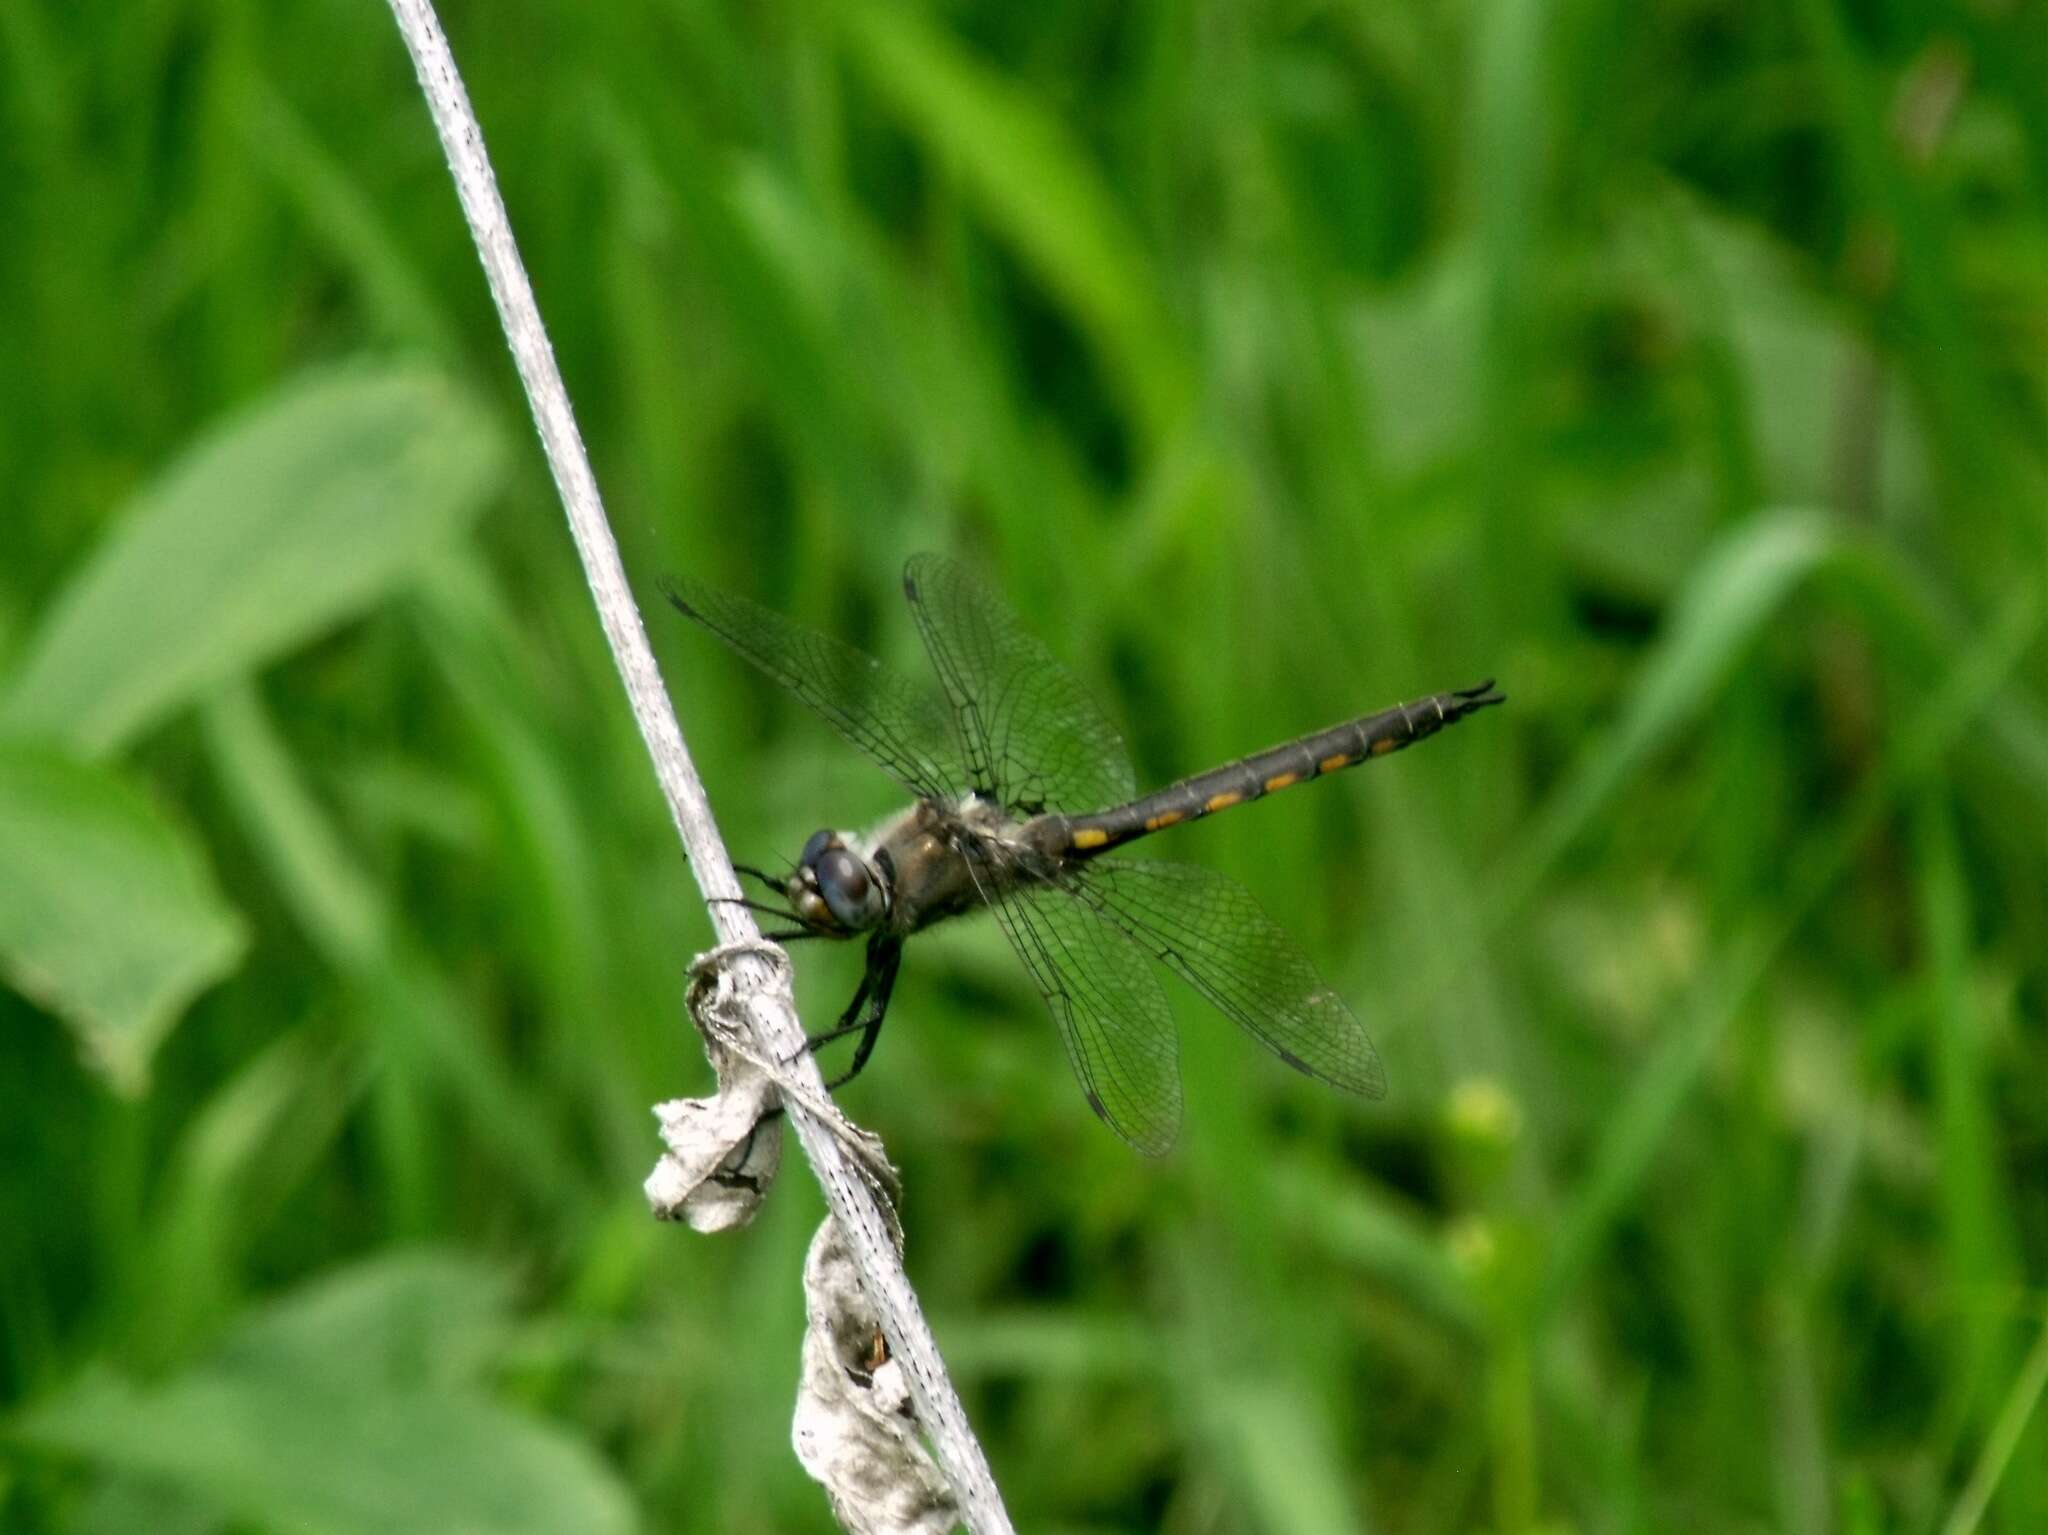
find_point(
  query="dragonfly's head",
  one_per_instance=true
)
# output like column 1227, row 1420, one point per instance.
column 835, row 890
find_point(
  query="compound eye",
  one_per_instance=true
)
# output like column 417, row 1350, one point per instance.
column 849, row 893
column 820, row 841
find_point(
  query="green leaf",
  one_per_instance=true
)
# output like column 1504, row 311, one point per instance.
column 345, row 1408
column 320, row 1456
column 302, row 512
column 109, row 916
column 414, row 1318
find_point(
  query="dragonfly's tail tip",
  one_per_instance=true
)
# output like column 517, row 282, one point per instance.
column 1481, row 696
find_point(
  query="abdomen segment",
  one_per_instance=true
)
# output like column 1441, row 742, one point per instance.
column 1280, row 767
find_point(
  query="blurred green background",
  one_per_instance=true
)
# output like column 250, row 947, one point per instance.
column 1684, row 366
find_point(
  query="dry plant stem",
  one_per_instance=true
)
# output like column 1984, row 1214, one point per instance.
column 773, row 1012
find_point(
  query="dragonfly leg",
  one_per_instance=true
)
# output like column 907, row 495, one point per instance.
column 850, row 1021
column 753, row 905
column 884, row 956
column 864, row 1014
column 780, row 887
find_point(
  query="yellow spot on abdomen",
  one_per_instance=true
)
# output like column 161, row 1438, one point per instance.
column 1331, row 764
column 1281, row 781
column 1090, row 836
column 1164, row 818
column 1382, row 747
column 1223, row 801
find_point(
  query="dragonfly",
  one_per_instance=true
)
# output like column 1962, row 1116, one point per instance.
column 1020, row 790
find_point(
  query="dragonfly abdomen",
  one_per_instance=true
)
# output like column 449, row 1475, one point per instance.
column 1279, row 767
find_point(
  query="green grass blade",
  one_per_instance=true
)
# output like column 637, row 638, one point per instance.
column 2013, row 1417
column 1723, row 609
column 1975, row 1238
column 333, row 898
column 1638, row 1127
column 397, row 993
column 1036, row 184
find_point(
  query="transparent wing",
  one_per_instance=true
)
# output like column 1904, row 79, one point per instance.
column 902, row 727
column 1209, row 929
column 1031, row 735
column 1110, row 1008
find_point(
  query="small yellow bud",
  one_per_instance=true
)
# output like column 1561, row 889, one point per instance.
column 1482, row 1111
column 1473, row 1244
